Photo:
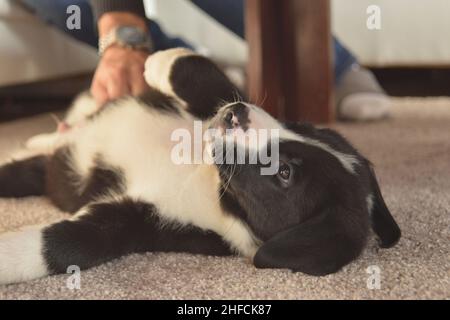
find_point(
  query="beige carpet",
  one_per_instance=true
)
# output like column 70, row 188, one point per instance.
column 411, row 152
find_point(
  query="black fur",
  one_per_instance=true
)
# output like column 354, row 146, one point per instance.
column 156, row 100
column 23, row 178
column 63, row 183
column 328, row 136
column 383, row 224
column 230, row 204
column 193, row 76
column 110, row 230
column 318, row 178
column 318, row 246
column 381, row 219
column 320, row 222
column 152, row 98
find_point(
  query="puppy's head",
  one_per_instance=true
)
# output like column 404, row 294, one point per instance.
column 304, row 192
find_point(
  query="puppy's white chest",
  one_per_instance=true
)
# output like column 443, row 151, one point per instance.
column 140, row 142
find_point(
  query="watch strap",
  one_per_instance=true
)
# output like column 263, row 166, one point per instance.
column 111, row 38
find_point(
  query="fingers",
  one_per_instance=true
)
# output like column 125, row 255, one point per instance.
column 137, row 83
column 107, row 86
column 99, row 93
column 119, row 73
column 118, row 86
column 139, row 86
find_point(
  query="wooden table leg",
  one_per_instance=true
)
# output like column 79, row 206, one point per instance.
column 264, row 64
column 290, row 58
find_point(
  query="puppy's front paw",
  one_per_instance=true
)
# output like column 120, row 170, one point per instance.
column 83, row 107
column 42, row 141
column 158, row 68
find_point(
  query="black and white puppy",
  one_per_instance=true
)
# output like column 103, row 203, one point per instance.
column 115, row 173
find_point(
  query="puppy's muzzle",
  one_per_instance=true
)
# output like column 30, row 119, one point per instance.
column 235, row 116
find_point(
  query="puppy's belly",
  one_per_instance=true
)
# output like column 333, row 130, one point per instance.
column 129, row 135
column 138, row 141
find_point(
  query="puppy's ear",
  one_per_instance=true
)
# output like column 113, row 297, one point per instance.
column 317, row 247
column 383, row 224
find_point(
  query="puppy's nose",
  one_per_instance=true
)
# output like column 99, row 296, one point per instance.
column 236, row 115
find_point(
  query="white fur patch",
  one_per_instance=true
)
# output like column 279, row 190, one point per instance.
column 83, row 107
column 158, row 68
column 348, row 161
column 21, row 257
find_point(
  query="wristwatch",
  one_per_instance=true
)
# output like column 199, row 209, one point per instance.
column 125, row 36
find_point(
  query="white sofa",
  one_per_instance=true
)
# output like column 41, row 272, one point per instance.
column 31, row 51
column 414, row 33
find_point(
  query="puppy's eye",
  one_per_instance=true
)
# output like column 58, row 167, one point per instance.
column 284, row 171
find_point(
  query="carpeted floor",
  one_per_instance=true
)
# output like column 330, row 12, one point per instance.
column 411, row 152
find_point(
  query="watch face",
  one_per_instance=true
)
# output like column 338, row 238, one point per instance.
column 131, row 36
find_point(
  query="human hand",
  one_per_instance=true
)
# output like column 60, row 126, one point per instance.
column 120, row 72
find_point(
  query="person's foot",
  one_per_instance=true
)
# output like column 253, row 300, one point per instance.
column 359, row 97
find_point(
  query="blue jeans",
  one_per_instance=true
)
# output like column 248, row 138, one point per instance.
column 230, row 13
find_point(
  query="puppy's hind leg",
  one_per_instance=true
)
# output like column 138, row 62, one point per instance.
column 82, row 109
column 23, row 178
column 99, row 232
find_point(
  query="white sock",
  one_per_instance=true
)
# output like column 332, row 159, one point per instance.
column 359, row 96
column 364, row 106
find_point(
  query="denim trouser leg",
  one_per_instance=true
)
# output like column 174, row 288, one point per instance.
column 343, row 60
column 54, row 12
